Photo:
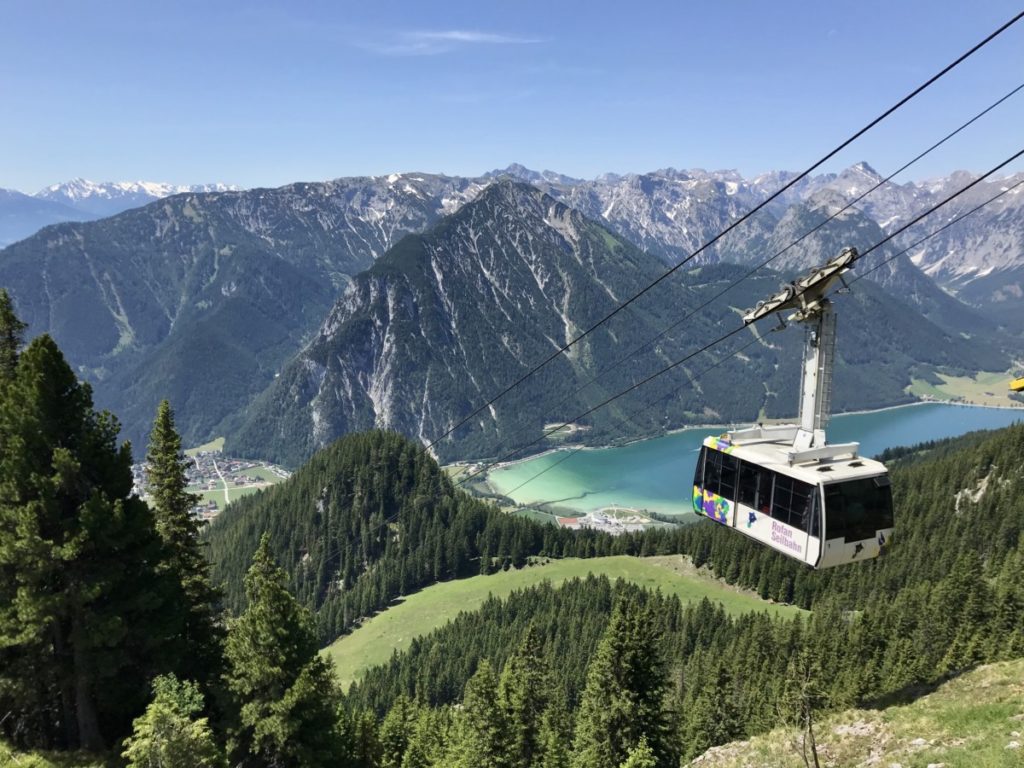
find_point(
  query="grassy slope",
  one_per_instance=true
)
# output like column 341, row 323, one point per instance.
column 217, row 444
column 983, row 389
column 420, row 613
column 968, row 722
column 10, row 758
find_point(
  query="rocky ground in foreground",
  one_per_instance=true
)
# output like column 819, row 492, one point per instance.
column 974, row 721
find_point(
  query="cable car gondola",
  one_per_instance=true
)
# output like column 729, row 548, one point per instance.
column 784, row 485
column 1017, row 385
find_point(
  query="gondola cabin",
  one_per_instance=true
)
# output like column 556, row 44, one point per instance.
column 1017, row 385
column 785, row 485
column 823, row 512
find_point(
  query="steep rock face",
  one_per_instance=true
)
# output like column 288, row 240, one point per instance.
column 885, row 266
column 204, row 297
column 447, row 319
column 981, row 258
column 671, row 213
column 201, row 297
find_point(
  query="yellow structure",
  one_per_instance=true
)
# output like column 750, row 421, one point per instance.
column 1017, row 385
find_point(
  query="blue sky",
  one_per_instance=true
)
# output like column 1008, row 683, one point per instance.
column 262, row 94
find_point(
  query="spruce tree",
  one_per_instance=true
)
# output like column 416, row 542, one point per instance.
column 623, row 701
column 394, row 732
column 200, row 637
column 555, row 733
column 11, row 330
column 640, row 756
column 283, row 689
column 87, row 620
column 482, row 740
column 169, row 735
column 523, row 694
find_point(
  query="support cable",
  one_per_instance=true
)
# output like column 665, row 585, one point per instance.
column 653, row 340
column 732, row 333
column 910, row 247
column 796, row 179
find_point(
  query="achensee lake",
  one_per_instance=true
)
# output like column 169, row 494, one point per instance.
column 657, row 474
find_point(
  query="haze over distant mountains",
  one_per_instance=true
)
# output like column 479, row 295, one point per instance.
column 205, row 297
column 81, row 200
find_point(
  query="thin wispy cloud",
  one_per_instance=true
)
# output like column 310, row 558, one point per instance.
column 434, row 42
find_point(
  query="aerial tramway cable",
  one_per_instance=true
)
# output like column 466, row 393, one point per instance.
column 719, row 340
column 647, row 344
column 638, row 411
column 733, row 225
column 462, row 481
column 849, row 284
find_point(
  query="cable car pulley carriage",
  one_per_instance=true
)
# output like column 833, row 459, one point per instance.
column 784, row 485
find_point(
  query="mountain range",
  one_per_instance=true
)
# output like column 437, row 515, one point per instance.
column 448, row 318
column 81, row 200
column 207, row 298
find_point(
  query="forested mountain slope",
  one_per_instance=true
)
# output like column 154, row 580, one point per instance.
column 446, row 320
column 947, row 598
column 201, row 297
column 368, row 519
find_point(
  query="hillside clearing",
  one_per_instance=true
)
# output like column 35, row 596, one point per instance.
column 984, row 388
column 214, row 446
column 420, row 613
column 973, row 721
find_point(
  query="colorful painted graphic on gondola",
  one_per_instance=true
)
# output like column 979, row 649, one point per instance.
column 710, row 504
column 720, row 443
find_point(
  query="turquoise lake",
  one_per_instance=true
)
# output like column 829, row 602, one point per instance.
column 657, row 474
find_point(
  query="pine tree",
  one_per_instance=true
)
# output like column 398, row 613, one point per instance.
column 11, row 330
column 555, row 733
column 428, row 739
column 624, row 697
column 167, row 735
column 394, row 732
column 86, row 622
column 640, row 756
column 523, row 694
column 711, row 716
column 200, row 637
column 283, row 689
column 482, row 740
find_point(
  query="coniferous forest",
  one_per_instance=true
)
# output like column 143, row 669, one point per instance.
column 129, row 634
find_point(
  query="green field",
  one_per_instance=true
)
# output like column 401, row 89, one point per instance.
column 419, row 614
column 217, row 444
column 261, row 472
column 968, row 722
column 234, row 493
column 983, row 389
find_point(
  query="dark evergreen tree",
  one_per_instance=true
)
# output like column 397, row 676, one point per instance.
column 201, row 638
column 555, row 735
column 482, row 738
column 523, row 694
column 283, row 689
column 11, row 330
column 84, row 622
column 394, row 732
column 624, row 698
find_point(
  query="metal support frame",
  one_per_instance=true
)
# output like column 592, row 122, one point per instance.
column 807, row 296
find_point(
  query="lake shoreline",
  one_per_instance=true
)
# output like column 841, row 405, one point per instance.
column 722, row 428
column 648, row 473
